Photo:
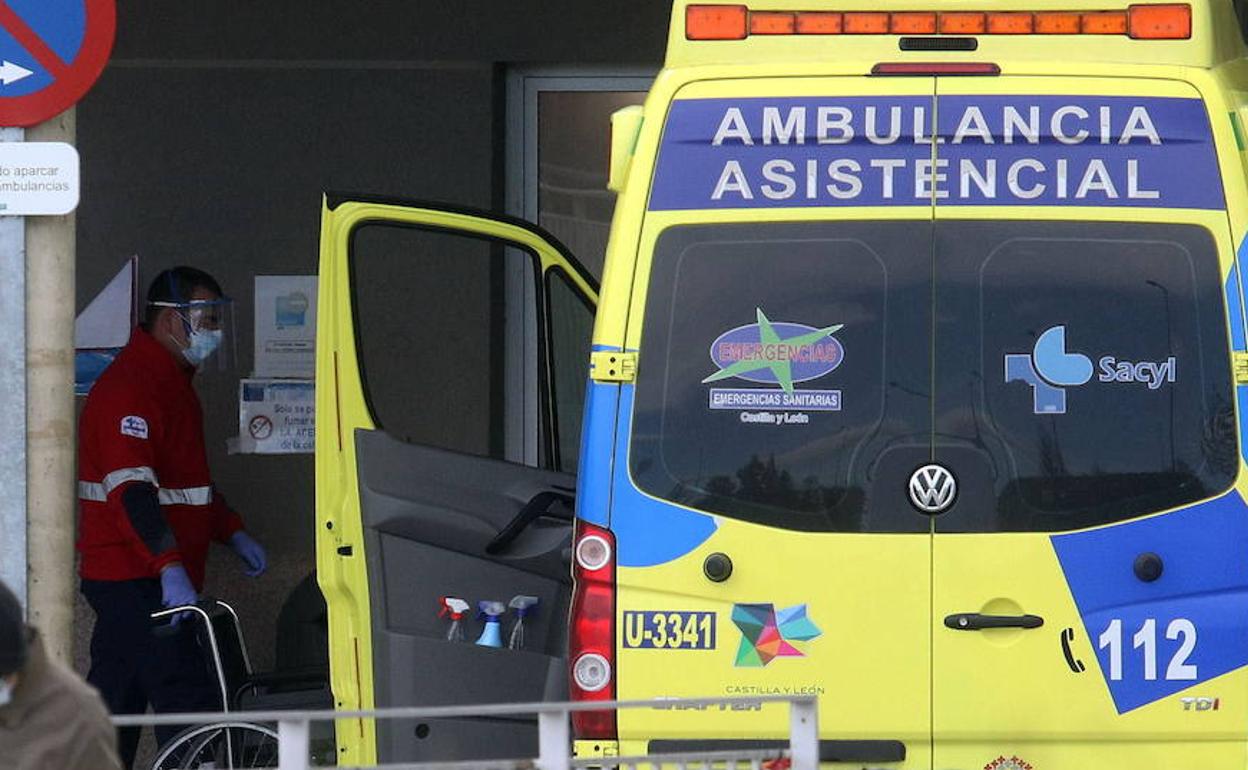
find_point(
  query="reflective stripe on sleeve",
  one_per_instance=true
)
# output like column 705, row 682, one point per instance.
column 98, row 493
column 123, row 475
column 88, row 490
column 187, row 496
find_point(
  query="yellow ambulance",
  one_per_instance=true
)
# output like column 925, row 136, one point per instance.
column 917, row 383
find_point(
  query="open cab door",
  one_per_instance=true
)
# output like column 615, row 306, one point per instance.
column 452, row 356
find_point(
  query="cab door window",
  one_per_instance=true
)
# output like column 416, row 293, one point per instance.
column 442, row 362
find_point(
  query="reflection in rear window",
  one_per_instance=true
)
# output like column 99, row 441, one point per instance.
column 779, row 365
column 1083, row 372
column 1069, row 374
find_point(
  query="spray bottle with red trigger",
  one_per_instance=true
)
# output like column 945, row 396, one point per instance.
column 454, row 608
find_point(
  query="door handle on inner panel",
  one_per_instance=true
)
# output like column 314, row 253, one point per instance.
column 534, row 509
column 974, row 621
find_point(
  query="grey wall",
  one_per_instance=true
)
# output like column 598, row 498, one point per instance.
column 217, row 125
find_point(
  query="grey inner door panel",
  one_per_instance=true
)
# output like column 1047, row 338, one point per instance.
column 429, row 515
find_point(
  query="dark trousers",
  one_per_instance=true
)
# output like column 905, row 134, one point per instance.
column 132, row 667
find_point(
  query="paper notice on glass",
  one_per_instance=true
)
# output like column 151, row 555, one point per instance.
column 285, row 326
column 276, row 416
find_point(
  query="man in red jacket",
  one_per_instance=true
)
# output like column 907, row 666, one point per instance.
column 148, row 507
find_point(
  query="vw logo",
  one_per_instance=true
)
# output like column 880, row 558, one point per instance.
column 932, row 489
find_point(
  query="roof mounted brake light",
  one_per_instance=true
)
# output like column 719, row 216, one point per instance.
column 936, row 68
column 1169, row 21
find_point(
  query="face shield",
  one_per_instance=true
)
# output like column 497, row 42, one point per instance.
column 208, row 325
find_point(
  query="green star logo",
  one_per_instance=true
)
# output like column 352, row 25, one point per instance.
column 782, row 369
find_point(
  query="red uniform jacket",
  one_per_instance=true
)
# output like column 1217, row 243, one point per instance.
column 143, row 423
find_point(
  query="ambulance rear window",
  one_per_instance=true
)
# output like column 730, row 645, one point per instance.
column 1082, row 372
column 1069, row 374
column 784, row 372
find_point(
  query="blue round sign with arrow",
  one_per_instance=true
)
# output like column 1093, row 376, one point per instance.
column 51, row 53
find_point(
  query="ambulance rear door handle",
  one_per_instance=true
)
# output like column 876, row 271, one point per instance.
column 973, row 621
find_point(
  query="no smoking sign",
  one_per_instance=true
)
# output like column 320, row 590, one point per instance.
column 51, row 53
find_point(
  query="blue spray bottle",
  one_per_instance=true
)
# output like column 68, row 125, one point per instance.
column 525, row 606
column 491, row 635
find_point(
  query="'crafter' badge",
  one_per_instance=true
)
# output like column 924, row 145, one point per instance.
column 933, row 489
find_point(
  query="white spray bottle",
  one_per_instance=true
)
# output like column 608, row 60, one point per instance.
column 454, row 608
column 491, row 635
column 525, row 606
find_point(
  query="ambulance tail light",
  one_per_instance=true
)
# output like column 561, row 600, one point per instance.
column 591, row 634
column 1171, row 21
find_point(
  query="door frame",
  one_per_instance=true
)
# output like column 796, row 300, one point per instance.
column 524, row 87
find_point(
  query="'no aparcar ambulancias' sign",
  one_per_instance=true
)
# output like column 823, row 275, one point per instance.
column 38, row 178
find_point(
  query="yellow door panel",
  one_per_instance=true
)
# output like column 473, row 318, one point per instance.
column 345, row 563
column 865, row 652
column 1087, row 583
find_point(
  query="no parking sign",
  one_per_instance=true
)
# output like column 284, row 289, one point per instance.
column 51, row 52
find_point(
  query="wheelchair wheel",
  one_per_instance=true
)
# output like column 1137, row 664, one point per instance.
column 232, row 745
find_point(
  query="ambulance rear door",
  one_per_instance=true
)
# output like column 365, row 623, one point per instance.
column 782, row 400
column 1090, row 586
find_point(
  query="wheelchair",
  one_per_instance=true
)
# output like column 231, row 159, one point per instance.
column 239, row 743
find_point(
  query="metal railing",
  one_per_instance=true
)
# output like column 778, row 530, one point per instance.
column 554, row 735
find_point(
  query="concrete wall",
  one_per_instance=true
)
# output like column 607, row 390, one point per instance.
column 217, row 125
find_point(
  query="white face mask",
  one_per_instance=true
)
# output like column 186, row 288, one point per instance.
column 6, row 692
column 203, row 343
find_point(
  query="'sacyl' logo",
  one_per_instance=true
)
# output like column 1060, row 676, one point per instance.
column 1050, row 369
column 932, row 489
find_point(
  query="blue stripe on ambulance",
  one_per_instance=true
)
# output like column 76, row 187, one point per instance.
column 593, row 483
column 647, row 531
column 1204, row 587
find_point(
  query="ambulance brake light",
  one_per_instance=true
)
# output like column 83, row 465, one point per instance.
column 1139, row 22
column 936, row 68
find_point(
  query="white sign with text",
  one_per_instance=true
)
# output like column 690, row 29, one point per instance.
column 38, row 178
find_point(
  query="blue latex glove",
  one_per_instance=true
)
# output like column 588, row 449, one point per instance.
column 176, row 590
column 250, row 552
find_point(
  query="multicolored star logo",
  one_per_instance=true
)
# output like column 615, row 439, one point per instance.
column 781, row 367
column 767, row 634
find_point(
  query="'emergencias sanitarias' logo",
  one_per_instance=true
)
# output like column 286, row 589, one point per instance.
column 775, row 353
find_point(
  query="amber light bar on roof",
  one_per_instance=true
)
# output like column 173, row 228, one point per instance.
column 1138, row 22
